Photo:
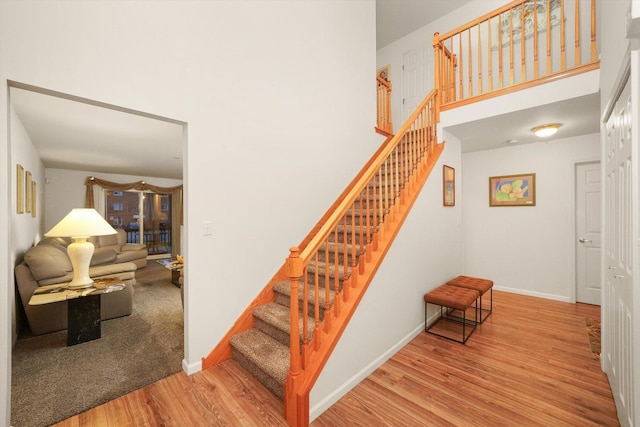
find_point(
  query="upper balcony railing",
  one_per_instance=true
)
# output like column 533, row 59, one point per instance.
column 522, row 44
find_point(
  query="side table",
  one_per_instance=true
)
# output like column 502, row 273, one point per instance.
column 83, row 306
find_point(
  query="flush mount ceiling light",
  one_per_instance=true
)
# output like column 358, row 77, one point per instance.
column 546, row 130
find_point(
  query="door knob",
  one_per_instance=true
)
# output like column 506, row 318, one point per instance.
column 583, row 240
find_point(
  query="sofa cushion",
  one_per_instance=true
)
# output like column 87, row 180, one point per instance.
column 47, row 261
column 103, row 256
column 108, row 240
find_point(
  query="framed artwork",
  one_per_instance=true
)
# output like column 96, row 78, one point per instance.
column 28, row 199
column 383, row 73
column 512, row 190
column 448, row 186
column 19, row 189
column 34, row 198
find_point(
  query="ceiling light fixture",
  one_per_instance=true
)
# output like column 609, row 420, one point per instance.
column 544, row 131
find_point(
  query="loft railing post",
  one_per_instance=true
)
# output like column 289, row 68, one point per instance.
column 437, row 59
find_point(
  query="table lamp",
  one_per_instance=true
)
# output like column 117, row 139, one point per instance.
column 80, row 224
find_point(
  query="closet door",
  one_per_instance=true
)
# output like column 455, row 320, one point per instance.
column 618, row 294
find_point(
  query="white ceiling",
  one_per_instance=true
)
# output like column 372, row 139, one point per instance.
column 398, row 18
column 71, row 133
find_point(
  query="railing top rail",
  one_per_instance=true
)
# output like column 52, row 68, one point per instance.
column 485, row 17
column 342, row 208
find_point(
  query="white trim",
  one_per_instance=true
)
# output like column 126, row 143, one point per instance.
column 532, row 293
column 332, row 398
column 192, row 368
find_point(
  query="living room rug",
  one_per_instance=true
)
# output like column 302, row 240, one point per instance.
column 593, row 330
column 51, row 382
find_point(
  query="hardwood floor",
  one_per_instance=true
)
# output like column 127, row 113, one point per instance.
column 529, row 364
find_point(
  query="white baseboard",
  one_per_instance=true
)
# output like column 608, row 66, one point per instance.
column 192, row 368
column 326, row 403
column 533, row 294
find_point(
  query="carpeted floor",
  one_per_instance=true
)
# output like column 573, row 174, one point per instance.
column 51, row 382
column 593, row 329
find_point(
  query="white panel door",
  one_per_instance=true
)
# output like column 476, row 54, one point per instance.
column 417, row 79
column 588, row 220
column 618, row 295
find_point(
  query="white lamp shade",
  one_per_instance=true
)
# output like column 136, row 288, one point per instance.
column 81, row 222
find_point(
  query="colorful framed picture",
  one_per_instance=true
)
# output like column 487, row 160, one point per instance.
column 512, row 190
column 19, row 189
column 448, row 186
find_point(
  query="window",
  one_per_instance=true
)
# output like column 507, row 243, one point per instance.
column 117, row 206
column 117, row 193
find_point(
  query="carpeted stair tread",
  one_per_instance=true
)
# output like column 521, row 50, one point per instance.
column 340, row 248
column 279, row 316
column 265, row 352
column 284, row 288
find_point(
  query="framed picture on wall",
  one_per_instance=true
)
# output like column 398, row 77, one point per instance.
column 512, row 190
column 34, row 198
column 19, row 189
column 27, row 198
column 448, row 186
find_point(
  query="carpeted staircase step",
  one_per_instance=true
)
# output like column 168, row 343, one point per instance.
column 351, row 234
column 275, row 320
column 327, row 274
column 264, row 357
column 283, row 296
column 330, row 250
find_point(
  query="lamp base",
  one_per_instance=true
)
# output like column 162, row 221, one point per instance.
column 80, row 252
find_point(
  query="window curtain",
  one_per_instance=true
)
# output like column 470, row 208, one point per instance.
column 177, row 217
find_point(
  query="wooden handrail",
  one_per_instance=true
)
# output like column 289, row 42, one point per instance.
column 515, row 22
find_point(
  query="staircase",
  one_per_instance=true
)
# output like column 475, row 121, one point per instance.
column 286, row 335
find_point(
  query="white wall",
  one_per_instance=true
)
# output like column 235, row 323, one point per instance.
column 26, row 230
column 65, row 190
column 270, row 92
column 425, row 254
column 614, row 45
column 526, row 250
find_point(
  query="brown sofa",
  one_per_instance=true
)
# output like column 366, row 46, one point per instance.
column 47, row 264
column 125, row 252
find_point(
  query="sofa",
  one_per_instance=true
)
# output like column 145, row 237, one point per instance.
column 125, row 252
column 47, row 263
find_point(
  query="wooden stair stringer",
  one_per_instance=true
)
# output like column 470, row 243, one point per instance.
column 329, row 337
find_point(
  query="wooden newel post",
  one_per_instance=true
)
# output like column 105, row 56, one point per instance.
column 295, row 411
column 294, row 272
column 438, row 68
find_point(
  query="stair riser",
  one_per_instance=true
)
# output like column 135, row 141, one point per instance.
column 324, row 281
column 350, row 237
column 286, row 301
column 273, row 332
column 331, row 258
column 271, row 384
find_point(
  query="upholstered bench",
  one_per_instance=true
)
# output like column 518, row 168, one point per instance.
column 477, row 284
column 451, row 298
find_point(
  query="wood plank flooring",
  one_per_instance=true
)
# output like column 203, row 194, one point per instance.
column 529, row 364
